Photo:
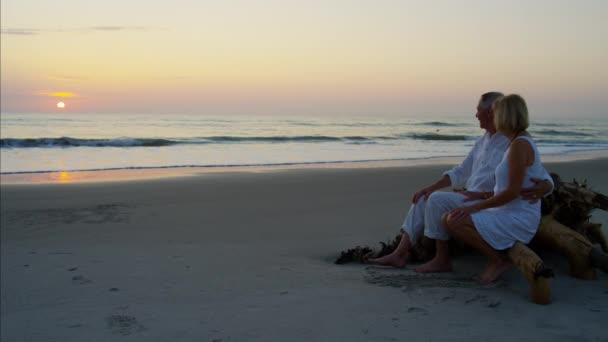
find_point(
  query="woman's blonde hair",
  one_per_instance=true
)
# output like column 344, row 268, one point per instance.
column 511, row 113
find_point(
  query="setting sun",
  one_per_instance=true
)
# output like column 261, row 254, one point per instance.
column 60, row 105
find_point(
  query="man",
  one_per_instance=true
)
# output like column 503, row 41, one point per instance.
column 476, row 174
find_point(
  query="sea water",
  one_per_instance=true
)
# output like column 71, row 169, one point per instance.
column 70, row 142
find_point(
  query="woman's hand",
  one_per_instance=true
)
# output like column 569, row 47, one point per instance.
column 462, row 213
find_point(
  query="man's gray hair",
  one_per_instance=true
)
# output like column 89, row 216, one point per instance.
column 488, row 98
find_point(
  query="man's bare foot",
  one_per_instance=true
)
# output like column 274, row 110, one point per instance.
column 435, row 266
column 494, row 270
column 393, row 259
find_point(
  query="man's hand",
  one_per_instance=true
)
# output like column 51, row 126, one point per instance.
column 426, row 192
column 534, row 193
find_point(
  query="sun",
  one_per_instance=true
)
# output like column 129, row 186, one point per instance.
column 60, row 105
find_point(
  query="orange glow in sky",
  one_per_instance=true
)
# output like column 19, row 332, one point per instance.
column 61, row 94
column 281, row 57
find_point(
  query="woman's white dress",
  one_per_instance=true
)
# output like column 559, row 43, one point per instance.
column 517, row 220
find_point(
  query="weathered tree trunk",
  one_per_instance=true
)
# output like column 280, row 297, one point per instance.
column 571, row 204
column 578, row 192
column 568, row 242
column 533, row 268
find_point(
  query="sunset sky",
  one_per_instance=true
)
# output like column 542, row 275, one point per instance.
column 302, row 57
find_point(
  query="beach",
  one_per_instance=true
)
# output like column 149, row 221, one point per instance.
column 247, row 255
column 198, row 171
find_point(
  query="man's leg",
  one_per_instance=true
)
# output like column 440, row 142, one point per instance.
column 398, row 258
column 438, row 204
column 411, row 229
column 441, row 262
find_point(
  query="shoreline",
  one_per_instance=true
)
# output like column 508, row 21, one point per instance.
column 149, row 173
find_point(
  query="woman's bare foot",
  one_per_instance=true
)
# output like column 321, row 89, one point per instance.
column 435, row 266
column 494, row 270
column 394, row 259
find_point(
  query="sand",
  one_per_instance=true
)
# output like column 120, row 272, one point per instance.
column 248, row 256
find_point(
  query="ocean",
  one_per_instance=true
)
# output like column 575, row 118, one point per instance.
column 77, row 142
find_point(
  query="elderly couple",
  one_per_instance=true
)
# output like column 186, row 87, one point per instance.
column 504, row 181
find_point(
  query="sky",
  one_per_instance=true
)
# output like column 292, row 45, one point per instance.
column 314, row 57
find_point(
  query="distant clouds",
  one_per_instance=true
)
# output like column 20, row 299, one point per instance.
column 117, row 28
column 21, row 32
column 171, row 78
column 34, row 31
column 67, row 78
column 64, row 78
column 57, row 94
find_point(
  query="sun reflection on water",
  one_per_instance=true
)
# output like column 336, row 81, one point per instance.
column 64, row 177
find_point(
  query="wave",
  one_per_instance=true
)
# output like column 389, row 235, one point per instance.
column 75, row 142
column 440, row 137
column 305, row 138
column 151, row 142
column 439, row 124
column 66, row 142
column 564, row 142
column 564, row 133
column 547, row 124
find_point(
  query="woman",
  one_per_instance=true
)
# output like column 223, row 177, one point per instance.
column 495, row 224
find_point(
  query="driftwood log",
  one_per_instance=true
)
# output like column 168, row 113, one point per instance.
column 564, row 227
column 533, row 268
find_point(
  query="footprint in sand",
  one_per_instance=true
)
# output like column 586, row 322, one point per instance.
column 415, row 309
column 80, row 280
column 476, row 298
column 494, row 304
column 123, row 324
column 103, row 213
column 408, row 280
column 446, row 298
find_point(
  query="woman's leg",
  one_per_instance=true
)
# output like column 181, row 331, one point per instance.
column 464, row 230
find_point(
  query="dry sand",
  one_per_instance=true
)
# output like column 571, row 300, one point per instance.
column 248, row 256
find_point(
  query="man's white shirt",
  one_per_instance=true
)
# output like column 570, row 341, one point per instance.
column 476, row 172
